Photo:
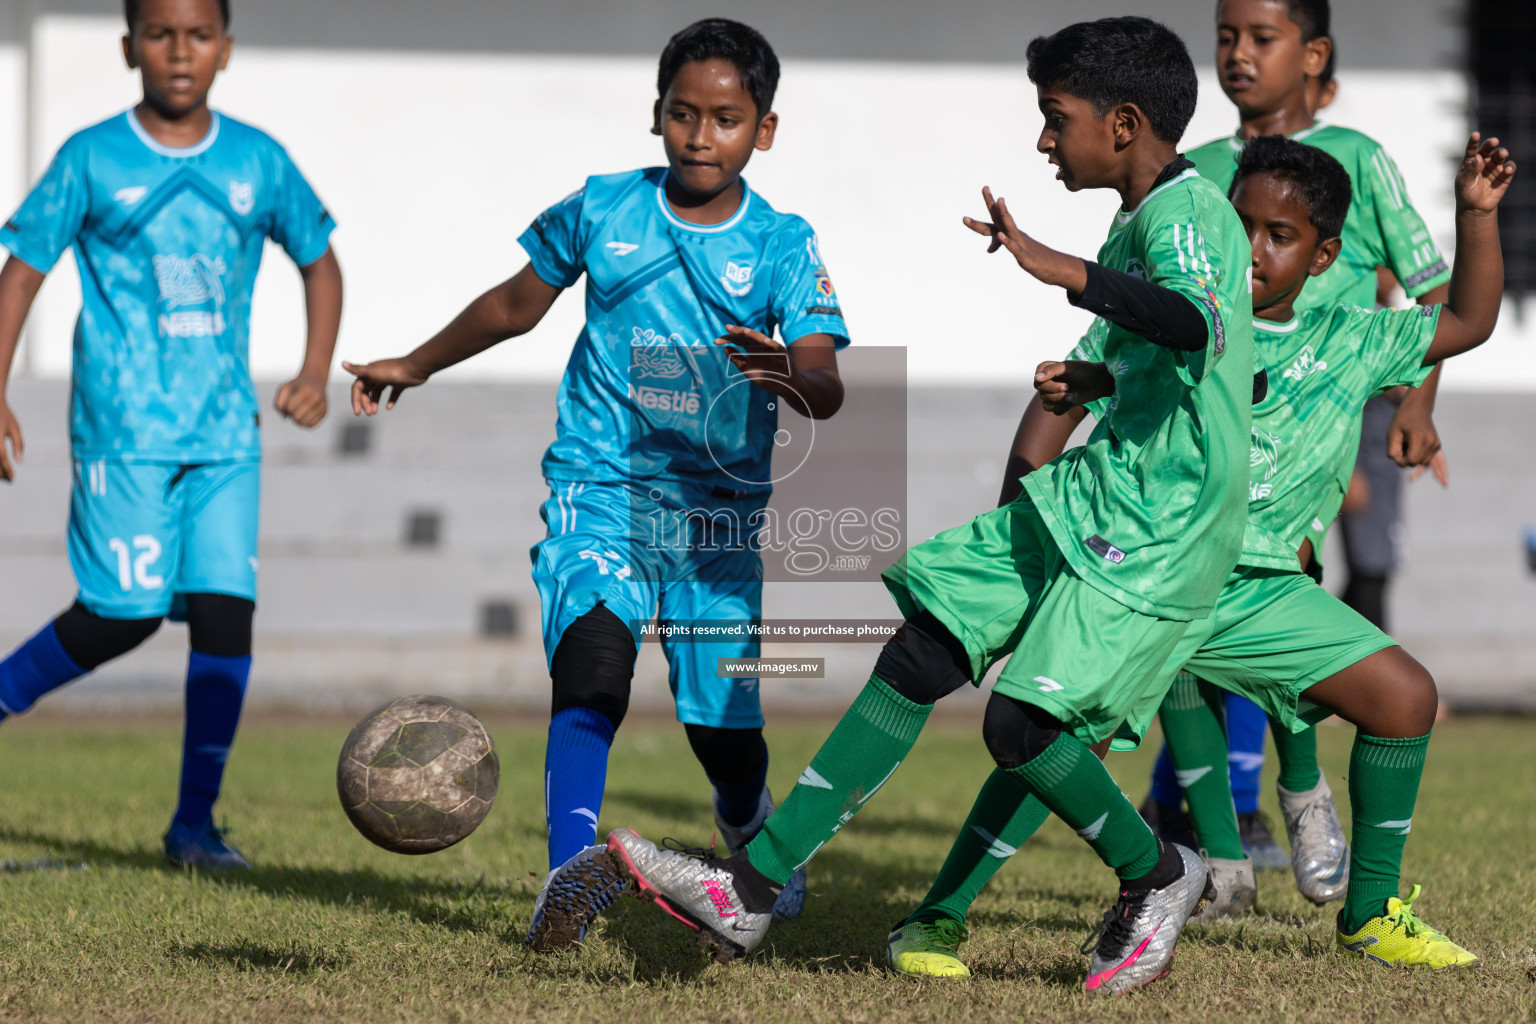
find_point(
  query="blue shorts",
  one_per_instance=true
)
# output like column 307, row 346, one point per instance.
column 141, row 533
column 596, row 552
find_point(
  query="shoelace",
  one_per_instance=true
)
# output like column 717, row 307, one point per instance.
column 1115, row 928
column 704, row 853
column 945, row 932
column 1405, row 918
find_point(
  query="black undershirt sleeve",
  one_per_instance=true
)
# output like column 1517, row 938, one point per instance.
column 1161, row 316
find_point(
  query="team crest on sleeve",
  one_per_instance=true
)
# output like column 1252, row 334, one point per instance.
column 242, row 197
column 737, row 278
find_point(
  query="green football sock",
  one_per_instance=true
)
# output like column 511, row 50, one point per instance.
column 1383, row 786
column 1297, row 754
column 1194, row 726
column 1003, row 817
column 1077, row 788
column 863, row 751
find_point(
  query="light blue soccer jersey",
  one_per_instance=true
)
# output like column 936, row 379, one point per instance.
column 168, row 242
column 647, row 395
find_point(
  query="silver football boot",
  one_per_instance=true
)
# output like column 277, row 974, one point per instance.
column 1236, row 889
column 696, row 887
column 1133, row 945
column 1319, row 852
column 792, row 900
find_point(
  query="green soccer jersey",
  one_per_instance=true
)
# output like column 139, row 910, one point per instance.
column 1322, row 367
column 1382, row 229
column 1151, row 510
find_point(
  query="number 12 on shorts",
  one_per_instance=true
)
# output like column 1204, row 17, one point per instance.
column 132, row 569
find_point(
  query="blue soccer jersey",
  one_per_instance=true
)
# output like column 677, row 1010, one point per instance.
column 647, row 395
column 168, row 242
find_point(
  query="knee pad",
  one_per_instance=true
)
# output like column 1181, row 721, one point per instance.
column 923, row 661
column 594, row 665
column 220, row 624
column 728, row 755
column 91, row 641
column 1017, row 733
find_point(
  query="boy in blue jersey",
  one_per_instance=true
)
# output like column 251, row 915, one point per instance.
column 688, row 274
column 167, row 207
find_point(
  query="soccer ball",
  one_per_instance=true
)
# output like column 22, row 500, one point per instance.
column 418, row 774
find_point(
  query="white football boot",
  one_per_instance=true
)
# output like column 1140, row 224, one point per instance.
column 1319, row 852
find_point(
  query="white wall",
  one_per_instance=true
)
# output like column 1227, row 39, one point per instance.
column 434, row 162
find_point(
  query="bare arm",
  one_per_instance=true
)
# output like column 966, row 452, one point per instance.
column 19, row 282
column 511, row 308
column 1040, row 438
column 303, row 398
column 808, row 380
column 1477, row 276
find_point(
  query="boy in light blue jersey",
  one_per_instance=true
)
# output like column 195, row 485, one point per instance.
column 668, row 412
column 168, row 207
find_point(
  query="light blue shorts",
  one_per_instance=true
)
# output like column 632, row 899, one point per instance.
column 142, row 533
column 598, row 551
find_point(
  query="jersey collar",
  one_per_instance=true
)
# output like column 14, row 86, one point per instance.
column 1237, row 143
column 1178, row 170
column 705, row 229
column 1271, row 327
column 174, row 151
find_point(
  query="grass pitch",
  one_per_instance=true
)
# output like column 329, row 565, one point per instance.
column 93, row 927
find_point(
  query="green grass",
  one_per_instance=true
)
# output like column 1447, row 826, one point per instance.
column 329, row 928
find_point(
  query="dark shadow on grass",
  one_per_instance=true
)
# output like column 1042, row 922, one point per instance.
column 251, row 956
column 89, row 850
column 442, row 903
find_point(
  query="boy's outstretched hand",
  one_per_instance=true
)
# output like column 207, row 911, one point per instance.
column 756, row 355
column 1045, row 263
column 10, row 430
column 1063, row 386
column 374, row 378
column 302, row 400
column 1484, row 176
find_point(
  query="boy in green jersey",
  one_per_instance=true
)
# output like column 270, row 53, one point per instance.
column 1276, row 636
column 1273, row 58
column 1091, row 579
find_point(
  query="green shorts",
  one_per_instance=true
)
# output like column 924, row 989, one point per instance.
column 1001, row 586
column 1271, row 635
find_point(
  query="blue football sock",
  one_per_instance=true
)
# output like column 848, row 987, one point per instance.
column 737, row 801
column 33, row 669
column 1165, row 784
column 1247, row 729
column 575, row 769
column 215, row 693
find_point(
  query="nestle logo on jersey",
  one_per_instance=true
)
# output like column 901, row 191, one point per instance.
column 664, row 400
column 1305, row 365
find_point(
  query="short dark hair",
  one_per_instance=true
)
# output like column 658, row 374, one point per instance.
column 1314, row 177
column 742, row 45
column 1313, row 17
column 131, row 12
column 1120, row 60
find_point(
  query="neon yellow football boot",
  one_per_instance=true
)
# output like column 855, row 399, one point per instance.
column 927, row 950
column 1397, row 937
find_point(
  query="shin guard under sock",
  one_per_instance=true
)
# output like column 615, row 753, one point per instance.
column 215, row 695
column 1076, row 787
column 1383, row 787
column 1002, row 819
column 1191, row 717
column 1296, row 753
column 865, row 749
column 33, row 669
column 575, row 772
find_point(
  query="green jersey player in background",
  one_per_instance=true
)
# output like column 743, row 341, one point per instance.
column 1275, row 61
